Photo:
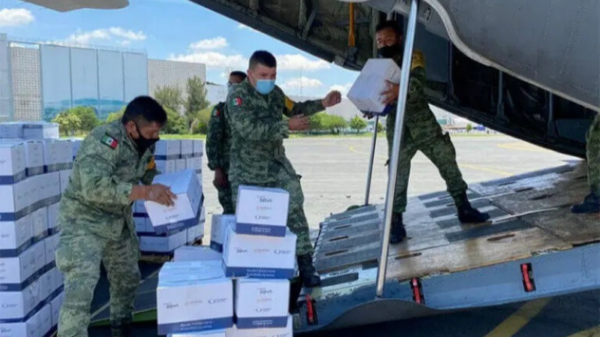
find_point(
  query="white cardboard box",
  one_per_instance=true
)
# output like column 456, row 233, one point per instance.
column 187, row 148
column 14, row 271
column 38, row 325
column 288, row 331
column 185, row 212
column 64, row 180
column 218, row 229
column 193, row 296
column 18, row 304
column 55, row 305
column 163, row 244
column 13, row 163
column 141, row 225
column 15, row 236
column 11, row 130
column 34, row 154
column 196, row 253
column 261, row 303
column 194, row 163
column 40, row 130
column 53, row 218
column 215, row 333
column 51, row 244
column 14, row 199
column 366, row 91
column 166, row 166
column 195, row 232
column 261, row 257
column 262, row 211
column 167, row 149
column 39, row 221
column 198, row 148
column 179, row 165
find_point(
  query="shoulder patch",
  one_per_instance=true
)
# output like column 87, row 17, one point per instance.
column 236, row 101
column 216, row 112
column 109, row 141
column 289, row 104
column 418, row 60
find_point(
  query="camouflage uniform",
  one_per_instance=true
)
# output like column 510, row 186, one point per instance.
column 257, row 152
column 593, row 155
column 217, row 150
column 422, row 133
column 97, row 226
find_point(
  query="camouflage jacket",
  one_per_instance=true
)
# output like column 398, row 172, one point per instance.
column 218, row 140
column 419, row 119
column 258, row 130
column 104, row 172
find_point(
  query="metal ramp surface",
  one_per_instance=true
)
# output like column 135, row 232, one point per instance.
column 532, row 247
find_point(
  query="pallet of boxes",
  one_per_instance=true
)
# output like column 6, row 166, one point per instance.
column 240, row 287
column 162, row 230
column 34, row 171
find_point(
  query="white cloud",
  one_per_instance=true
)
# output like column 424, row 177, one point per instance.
column 125, row 36
column 214, row 43
column 342, row 88
column 299, row 62
column 301, row 82
column 212, row 59
column 15, row 17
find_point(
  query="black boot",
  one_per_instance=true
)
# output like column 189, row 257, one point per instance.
column 591, row 204
column 121, row 328
column 468, row 214
column 398, row 232
column 308, row 274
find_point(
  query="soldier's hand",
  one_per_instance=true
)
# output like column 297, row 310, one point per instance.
column 299, row 123
column 367, row 115
column 220, row 178
column 332, row 99
column 161, row 194
column 391, row 93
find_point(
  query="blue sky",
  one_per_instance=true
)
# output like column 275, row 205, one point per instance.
column 178, row 30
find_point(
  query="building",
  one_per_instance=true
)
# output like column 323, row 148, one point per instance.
column 39, row 80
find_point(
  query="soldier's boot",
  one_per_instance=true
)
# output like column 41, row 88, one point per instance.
column 591, row 204
column 468, row 214
column 121, row 328
column 398, row 232
column 308, row 274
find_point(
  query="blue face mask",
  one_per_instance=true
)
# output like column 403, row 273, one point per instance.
column 265, row 86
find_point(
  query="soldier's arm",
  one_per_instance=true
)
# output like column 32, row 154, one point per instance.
column 418, row 79
column 244, row 120
column 306, row 108
column 97, row 164
column 214, row 139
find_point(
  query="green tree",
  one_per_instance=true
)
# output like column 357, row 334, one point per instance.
column 379, row 127
column 469, row 127
column 336, row 123
column 200, row 123
column 114, row 116
column 357, row 124
column 87, row 116
column 169, row 97
column 176, row 124
column 196, row 97
column 318, row 121
column 68, row 123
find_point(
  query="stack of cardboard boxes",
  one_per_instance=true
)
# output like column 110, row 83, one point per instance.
column 163, row 229
column 244, row 292
column 33, row 167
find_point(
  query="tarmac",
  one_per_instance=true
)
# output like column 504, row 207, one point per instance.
column 334, row 172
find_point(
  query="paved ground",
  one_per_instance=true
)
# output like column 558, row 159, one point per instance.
column 334, row 172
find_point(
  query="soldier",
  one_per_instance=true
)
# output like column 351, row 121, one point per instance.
column 591, row 203
column 254, row 111
column 217, row 147
column 96, row 220
column 421, row 133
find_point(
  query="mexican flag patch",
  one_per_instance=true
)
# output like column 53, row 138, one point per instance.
column 216, row 112
column 236, row 101
column 109, row 141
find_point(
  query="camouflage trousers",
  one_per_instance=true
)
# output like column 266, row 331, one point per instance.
column 78, row 256
column 297, row 222
column 593, row 155
column 437, row 146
